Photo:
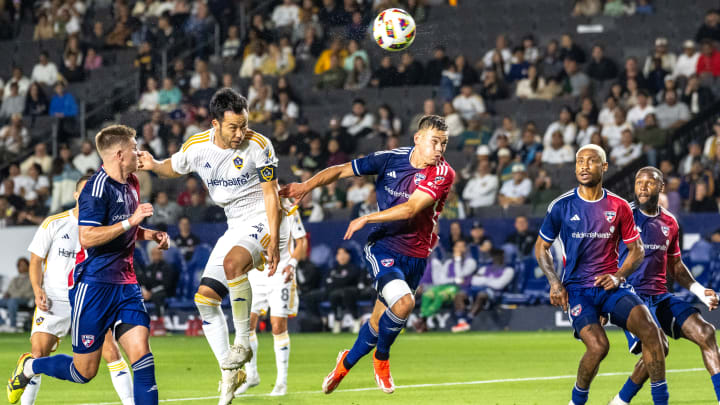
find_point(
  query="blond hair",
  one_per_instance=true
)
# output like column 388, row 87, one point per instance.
column 600, row 151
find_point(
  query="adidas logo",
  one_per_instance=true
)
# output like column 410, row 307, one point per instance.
column 120, row 199
column 121, row 373
column 392, row 174
column 153, row 388
column 254, row 236
column 66, row 236
column 207, row 165
column 575, row 218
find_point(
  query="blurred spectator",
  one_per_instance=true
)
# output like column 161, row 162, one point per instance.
column 309, row 47
column 170, row 96
column 343, row 284
column 694, row 155
column 13, row 198
column 386, row 75
column 625, row 153
column 435, row 66
column 65, row 177
column 254, row 61
column 191, row 187
column 454, row 207
column 485, row 286
column 532, row 86
column 612, row 133
column 428, row 109
column 668, row 85
column 576, row 83
column 558, row 152
column 40, row 157
column 644, row 7
column 231, row 46
column 672, row 114
column 467, row 72
column 307, row 19
column 72, row 71
column 43, row 28
column 480, row 244
column 568, row 48
column 260, row 109
column 19, row 293
column 62, row 103
column 157, row 281
column 503, row 167
column 200, row 25
column 168, row 38
column 258, row 83
column 149, row 99
column 354, row 51
column 584, row 129
column 87, row 160
column 668, row 59
column 523, row 239
column 616, row 8
column 703, row 201
column 359, row 122
column 516, row 190
column 334, row 77
column 564, row 124
column 387, row 123
column 309, row 210
column 149, row 140
column 502, row 49
column 180, row 76
column 34, row 211
column 695, row 96
column 587, row 8
column 14, row 137
column 359, row 76
column 17, row 77
column 278, row 62
column 201, row 96
column 468, row 103
column 709, row 60
column 96, row 38
column 144, row 61
column 120, row 34
column 359, row 191
column 367, row 207
column 493, row 88
column 481, row 189
column 450, row 83
column 607, row 113
column 93, row 60
column 632, row 71
column 529, row 147
column 511, row 132
column 636, row 115
column 518, row 66
column 201, row 68
column 286, row 15
column 285, row 109
column 316, row 157
column 710, row 29
column 185, row 241
column 711, row 149
column 453, row 120
column 410, row 71
column 551, row 65
column 687, row 62
column 651, row 137
column 12, row 103
column 601, row 67
column 336, row 48
column 197, row 210
column 7, row 212
column 38, row 182
column 544, row 190
column 332, row 196
column 357, row 29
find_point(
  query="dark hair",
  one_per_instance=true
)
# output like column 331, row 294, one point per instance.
column 358, row 100
column 226, row 99
column 81, row 180
column 22, row 259
column 432, row 122
column 653, row 170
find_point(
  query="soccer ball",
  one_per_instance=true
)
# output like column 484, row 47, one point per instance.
column 394, row 29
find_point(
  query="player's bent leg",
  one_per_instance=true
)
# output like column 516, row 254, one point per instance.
column 641, row 324
column 208, row 300
column 253, row 378
column 119, row 371
column 134, row 339
column 281, row 344
column 401, row 303
column 41, row 344
column 236, row 264
column 596, row 348
column 702, row 333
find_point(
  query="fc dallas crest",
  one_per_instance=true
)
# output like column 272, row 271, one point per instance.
column 665, row 230
column 387, row 262
column 576, row 310
column 610, row 216
column 88, row 340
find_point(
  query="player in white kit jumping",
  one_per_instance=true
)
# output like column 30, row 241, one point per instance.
column 52, row 258
column 239, row 168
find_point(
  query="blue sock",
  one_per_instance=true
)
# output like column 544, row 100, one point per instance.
column 579, row 395
column 629, row 390
column 659, row 392
column 60, row 366
column 144, row 386
column 716, row 384
column 390, row 325
column 367, row 339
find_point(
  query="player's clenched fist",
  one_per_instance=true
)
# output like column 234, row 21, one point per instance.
column 143, row 211
column 559, row 296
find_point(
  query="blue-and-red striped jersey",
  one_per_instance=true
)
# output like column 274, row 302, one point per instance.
column 589, row 233
column 396, row 180
column 660, row 236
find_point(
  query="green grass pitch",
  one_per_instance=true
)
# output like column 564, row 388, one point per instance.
column 470, row 368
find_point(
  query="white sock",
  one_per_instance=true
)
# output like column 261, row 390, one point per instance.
column 282, row 356
column 214, row 326
column 251, row 366
column 241, row 302
column 27, row 369
column 122, row 381
column 31, row 391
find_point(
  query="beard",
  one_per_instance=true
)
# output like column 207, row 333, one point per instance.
column 594, row 181
column 651, row 204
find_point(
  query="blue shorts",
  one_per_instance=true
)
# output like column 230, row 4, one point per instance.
column 385, row 265
column 585, row 305
column 669, row 312
column 97, row 307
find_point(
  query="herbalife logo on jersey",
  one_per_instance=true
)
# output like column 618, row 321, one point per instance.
column 66, row 253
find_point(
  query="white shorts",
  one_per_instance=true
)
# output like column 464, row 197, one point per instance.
column 253, row 236
column 280, row 298
column 55, row 321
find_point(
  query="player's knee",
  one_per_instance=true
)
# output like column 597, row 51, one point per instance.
column 86, row 371
column 39, row 352
column 237, row 263
column 278, row 329
column 598, row 347
column 404, row 305
column 707, row 336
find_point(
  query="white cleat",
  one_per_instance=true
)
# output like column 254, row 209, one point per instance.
column 236, row 358
column 279, row 390
column 231, row 380
column 252, row 380
column 618, row 401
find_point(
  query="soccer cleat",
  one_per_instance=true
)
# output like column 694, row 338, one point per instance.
column 382, row 375
column 236, row 358
column 231, row 380
column 252, row 380
column 279, row 390
column 18, row 381
column 339, row 372
column 461, row 326
column 617, row 401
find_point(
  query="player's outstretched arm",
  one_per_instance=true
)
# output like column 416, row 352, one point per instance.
column 91, row 236
column 679, row 271
column 161, row 168
column 327, row 176
column 418, row 201
column 272, row 208
column 558, row 294
column 36, row 280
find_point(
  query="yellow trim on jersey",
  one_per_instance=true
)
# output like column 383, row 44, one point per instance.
column 201, row 299
column 196, row 137
column 237, row 283
column 265, row 241
column 291, row 212
column 55, row 217
column 192, row 142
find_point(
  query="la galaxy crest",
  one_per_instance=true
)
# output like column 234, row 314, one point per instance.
column 238, row 162
column 267, row 173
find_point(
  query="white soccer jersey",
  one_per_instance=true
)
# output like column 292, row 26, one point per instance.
column 57, row 241
column 232, row 176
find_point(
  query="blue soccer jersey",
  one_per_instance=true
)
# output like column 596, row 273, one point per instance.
column 105, row 202
column 589, row 233
column 396, row 180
